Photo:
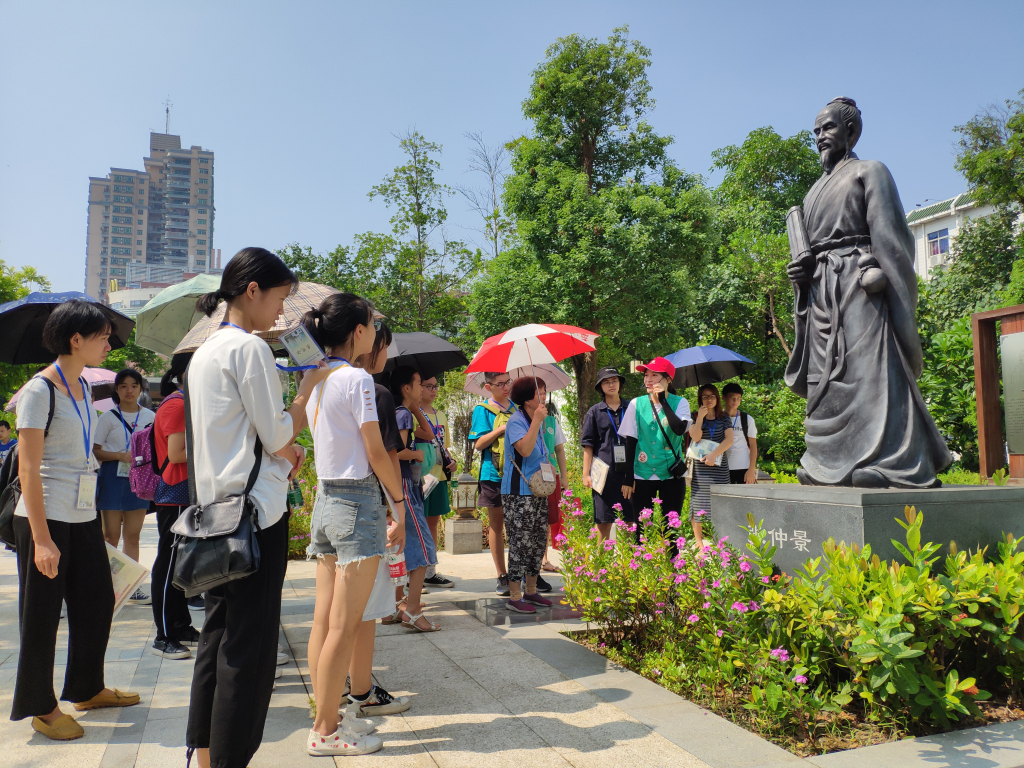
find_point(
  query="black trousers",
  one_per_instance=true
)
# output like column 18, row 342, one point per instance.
column 237, row 656
column 83, row 581
column 170, row 607
column 672, row 494
column 736, row 476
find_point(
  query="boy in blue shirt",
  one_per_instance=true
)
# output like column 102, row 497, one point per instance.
column 487, row 435
column 6, row 442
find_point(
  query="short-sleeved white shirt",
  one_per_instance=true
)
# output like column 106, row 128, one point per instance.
column 234, row 396
column 348, row 401
column 628, row 427
column 739, row 452
column 111, row 433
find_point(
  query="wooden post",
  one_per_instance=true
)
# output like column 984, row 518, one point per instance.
column 986, row 383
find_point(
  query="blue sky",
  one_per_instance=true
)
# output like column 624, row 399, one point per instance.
column 301, row 100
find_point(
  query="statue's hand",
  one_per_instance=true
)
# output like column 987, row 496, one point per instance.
column 797, row 273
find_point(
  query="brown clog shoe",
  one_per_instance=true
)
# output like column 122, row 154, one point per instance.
column 108, row 699
column 64, row 728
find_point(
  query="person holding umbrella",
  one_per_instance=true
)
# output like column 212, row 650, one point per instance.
column 654, row 425
column 710, row 423
column 61, row 552
column 602, row 438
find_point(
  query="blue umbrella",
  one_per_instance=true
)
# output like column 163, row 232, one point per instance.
column 707, row 365
column 22, row 321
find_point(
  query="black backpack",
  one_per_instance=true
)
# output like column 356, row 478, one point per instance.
column 10, row 485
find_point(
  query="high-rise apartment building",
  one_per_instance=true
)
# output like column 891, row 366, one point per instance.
column 155, row 221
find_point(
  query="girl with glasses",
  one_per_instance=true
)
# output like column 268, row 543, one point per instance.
column 710, row 422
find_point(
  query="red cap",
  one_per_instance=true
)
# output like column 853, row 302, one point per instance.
column 659, row 365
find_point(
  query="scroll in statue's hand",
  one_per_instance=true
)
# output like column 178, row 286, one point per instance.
column 797, row 273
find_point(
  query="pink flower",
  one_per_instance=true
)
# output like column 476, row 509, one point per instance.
column 716, row 584
column 567, row 493
column 706, row 606
column 648, row 556
column 675, row 522
column 765, row 580
column 738, row 606
column 722, row 540
column 672, row 514
column 780, row 653
column 620, row 523
column 634, row 564
column 609, row 545
column 754, row 606
column 560, row 538
column 647, row 514
column 657, row 613
column 680, row 578
column 701, row 513
column 597, row 599
column 656, row 500
column 617, row 507
column 693, row 618
column 680, row 542
column 800, row 679
column 720, row 633
column 632, row 528
column 745, row 566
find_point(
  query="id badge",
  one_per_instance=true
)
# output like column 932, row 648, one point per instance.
column 87, row 491
column 123, row 467
column 619, row 454
column 547, row 473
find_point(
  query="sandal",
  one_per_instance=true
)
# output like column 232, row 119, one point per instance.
column 550, row 568
column 411, row 623
column 394, row 618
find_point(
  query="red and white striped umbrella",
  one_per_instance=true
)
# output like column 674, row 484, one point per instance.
column 530, row 345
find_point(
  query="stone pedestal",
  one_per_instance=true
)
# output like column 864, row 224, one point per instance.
column 800, row 518
column 463, row 537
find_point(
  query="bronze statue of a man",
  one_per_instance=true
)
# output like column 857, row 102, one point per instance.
column 857, row 354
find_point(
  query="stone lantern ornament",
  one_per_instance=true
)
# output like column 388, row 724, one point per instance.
column 463, row 534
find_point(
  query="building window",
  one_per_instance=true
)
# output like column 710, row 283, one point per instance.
column 123, row 230
column 202, row 202
column 938, row 243
column 139, row 221
column 125, row 251
column 200, row 242
column 122, row 199
column 202, row 211
column 138, row 253
column 122, row 188
column 138, row 242
column 121, row 240
column 204, row 170
column 200, row 231
column 204, row 181
column 204, row 160
column 201, row 252
column 128, row 179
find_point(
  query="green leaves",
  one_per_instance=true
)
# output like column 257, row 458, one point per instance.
column 991, row 155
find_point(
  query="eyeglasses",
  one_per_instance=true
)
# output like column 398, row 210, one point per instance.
column 432, row 387
column 708, row 397
column 502, row 384
column 377, row 323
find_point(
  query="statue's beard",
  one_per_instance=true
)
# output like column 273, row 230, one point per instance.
column 831, row 156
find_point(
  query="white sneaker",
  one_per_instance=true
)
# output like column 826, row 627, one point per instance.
column 351, row 721
column 342, row 742
column 282, row 658
column 280, row 648
column 277, row 673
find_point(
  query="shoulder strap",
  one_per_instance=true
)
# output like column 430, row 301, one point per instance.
column 743, row 422
column 663, row 434
column 189, row 444
column 126, row 424
column 491, row 408
column 53, row 405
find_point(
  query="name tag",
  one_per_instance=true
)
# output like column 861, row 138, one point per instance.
column 87, row 491
column 546, row 472
column 122, row 468
column 619, row 454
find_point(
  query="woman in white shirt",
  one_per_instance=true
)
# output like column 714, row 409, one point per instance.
column 120, row 509
column 235, row 404
column 61, row 554
column 348, row 528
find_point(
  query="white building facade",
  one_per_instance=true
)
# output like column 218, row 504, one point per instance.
column 936, row 226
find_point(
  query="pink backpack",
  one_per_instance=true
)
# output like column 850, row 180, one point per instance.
column 144, row 474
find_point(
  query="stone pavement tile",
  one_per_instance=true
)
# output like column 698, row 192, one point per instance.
column 500, row 742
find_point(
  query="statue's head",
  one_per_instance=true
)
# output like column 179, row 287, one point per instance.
column 836, row 130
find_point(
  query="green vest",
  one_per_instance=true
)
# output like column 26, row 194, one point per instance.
column 548, row 429
column 651, row 443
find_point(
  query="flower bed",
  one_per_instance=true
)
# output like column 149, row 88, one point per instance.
column 849, row 651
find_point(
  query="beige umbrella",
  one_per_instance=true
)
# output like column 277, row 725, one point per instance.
column 306, row 296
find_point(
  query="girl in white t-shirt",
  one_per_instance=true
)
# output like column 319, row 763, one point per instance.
column 236, row 416
column 121, row 511
column 349, row 531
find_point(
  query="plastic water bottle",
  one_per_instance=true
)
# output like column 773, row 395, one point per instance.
column 396, row 567
column 295, row 495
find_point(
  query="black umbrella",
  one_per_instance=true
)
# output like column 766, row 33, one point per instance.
column 22, row 321
column 427, row 353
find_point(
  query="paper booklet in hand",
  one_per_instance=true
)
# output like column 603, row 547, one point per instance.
column 701, row 448
column 302, row 348
column 126, row 575
column 598, row 475
column 429, row 484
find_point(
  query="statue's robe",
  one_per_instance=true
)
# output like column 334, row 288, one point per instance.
column 857, row 355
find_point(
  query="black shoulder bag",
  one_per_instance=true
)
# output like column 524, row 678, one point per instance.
column 11, row 483
column 215, row 543
column 678, row 468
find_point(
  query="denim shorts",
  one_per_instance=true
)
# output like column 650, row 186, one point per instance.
column 349, row 520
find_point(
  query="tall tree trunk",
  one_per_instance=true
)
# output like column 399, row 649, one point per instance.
column 775, row 324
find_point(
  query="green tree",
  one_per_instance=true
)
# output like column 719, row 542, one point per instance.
column 416, row 275
column 607, row 226
column 131, row 355
column 16, row 283
column 335, row 269
column 763, row 178
column 991, row 155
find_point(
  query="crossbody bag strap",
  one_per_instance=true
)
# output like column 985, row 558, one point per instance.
column 189, row 444
column 663, row 434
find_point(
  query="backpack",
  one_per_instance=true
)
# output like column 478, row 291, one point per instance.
column 144, row 476
column 10, row 485
column 498, row 446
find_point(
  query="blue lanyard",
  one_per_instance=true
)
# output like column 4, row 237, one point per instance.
column 233, row 326
column 124, row 424
column 86, row 431
column 433, row 427
column 711, row 428
column 735, row 419
column 612, row 420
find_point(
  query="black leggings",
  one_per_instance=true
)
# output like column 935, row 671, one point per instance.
column 237, row 656
column 83, row 581
column 170, row 606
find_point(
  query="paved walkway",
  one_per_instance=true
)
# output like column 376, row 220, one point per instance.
column 479, row 698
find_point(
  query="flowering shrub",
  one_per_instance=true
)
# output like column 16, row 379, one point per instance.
column 791, row 656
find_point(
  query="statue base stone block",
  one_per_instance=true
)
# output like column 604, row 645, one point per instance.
column 801, row 518
column 463, row 537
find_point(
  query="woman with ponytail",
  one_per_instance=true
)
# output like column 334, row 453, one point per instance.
column 235, row 404
column 349, row 527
